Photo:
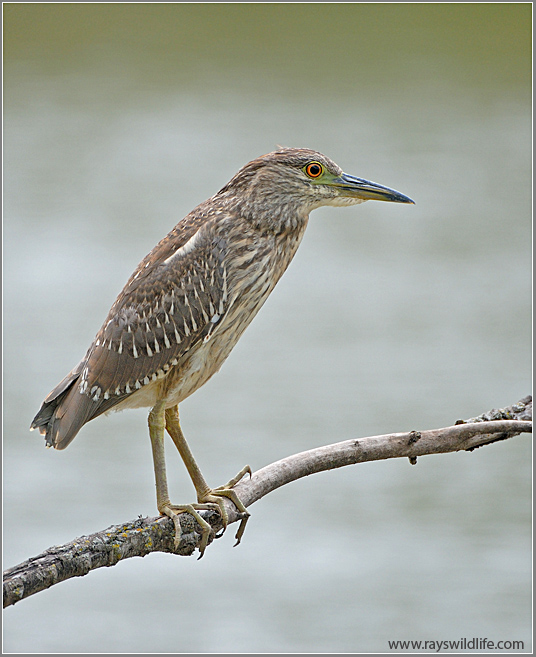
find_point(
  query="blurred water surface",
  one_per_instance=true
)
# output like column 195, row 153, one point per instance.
column 119, row 119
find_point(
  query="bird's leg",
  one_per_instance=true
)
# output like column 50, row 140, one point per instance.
column 157, row 424
column 204, row 493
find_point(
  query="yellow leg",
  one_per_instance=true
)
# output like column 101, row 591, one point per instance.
column 206, row 495
column 157, row 424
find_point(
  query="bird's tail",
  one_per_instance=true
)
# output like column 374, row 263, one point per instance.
column 63, row 412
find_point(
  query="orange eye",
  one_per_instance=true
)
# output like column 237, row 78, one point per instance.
column 314, row 169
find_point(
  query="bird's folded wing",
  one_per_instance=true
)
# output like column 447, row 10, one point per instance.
column 176, row 298
column 165, row 310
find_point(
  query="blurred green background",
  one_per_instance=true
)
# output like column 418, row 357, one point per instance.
column 118, row 120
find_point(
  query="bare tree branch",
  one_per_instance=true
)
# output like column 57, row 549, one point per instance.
column 144, row 535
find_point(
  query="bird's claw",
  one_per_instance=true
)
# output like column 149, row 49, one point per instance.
column 215, row 496
column 174, row 512
column 212, row 499
column 228, row 492
column 245, row 470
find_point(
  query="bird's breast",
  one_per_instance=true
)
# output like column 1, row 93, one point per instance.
column 252, row 273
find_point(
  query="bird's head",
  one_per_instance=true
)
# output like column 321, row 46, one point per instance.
column 284, row 186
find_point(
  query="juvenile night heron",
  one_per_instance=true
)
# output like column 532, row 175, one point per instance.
column 189, row 301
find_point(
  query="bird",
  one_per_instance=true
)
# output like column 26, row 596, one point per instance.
column 188, row 303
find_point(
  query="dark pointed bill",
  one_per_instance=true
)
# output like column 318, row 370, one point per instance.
column 368, row 190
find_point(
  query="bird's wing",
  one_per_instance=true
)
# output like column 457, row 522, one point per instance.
column 176, row 297
column 170, row 304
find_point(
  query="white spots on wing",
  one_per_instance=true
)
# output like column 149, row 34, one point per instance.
column 194, row 323
column 186, row 248
column 132, row 387
column 224, row 286
column 83, row 385
column 192, row 305
column 166, row 341
column 177, row 335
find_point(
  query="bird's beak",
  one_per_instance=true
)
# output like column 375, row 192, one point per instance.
column 367, row 190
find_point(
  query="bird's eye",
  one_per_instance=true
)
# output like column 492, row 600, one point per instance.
column 314, row 169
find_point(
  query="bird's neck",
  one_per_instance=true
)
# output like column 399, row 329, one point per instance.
column 267, row 215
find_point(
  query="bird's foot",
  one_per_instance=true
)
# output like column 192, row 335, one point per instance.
column 174, row 511
column 215, row 495
column 211, row 499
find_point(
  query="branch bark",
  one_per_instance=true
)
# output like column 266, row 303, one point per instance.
column 139, row 537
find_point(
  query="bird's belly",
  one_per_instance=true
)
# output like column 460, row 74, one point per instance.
column 194, row 372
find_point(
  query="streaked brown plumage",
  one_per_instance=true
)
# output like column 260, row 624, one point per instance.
column 189, row 301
